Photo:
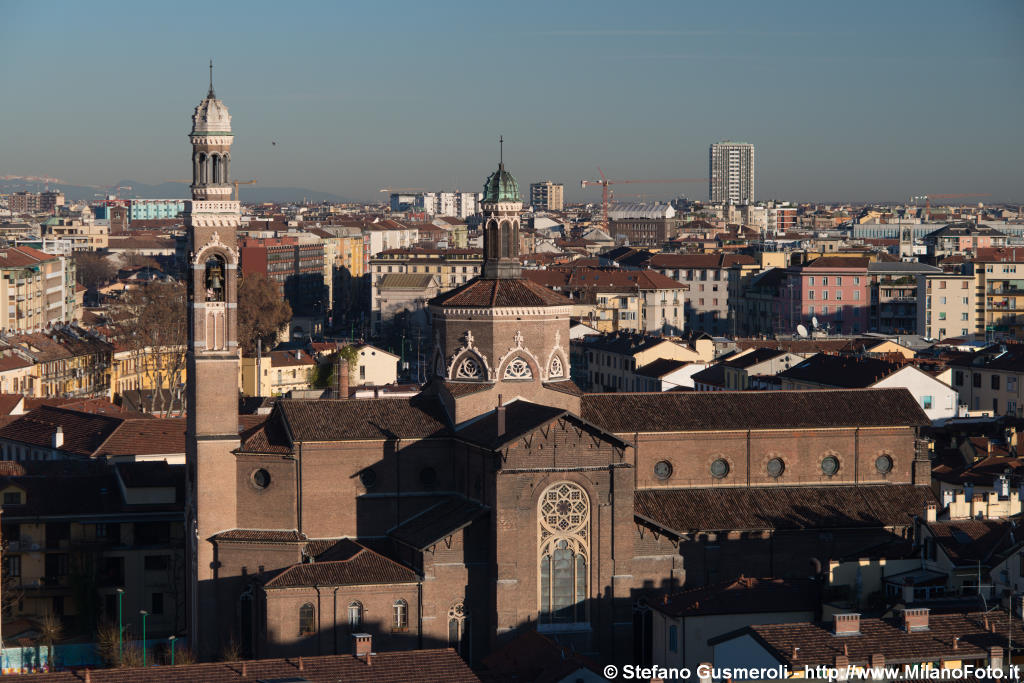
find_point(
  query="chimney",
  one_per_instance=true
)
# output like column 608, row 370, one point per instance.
column 876, row 661
column 995, row 657
column 846, row 624
column 930, row 512
column 341, row 378
column 88, row 677
column 956, row 642
column 302, row 667
column 842, row 667
column 947, row 497
column 58, row 438
column 915, row 619
column 362, row 644
column 1004, row 487
column 501, row 417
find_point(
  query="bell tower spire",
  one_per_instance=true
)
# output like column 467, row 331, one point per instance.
column 501, row 208
column 211, row 220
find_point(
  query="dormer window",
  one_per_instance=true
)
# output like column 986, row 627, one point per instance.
column 12, row 498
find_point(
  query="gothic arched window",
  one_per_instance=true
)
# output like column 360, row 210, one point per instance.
column 457, row 626
column 518, row 369
column 556, row 369
column 355, row 615
column 563, row 520
column 306, row 620
column 470, row 368
column 213, row 278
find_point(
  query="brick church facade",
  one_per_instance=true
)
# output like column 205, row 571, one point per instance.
column 501, row 498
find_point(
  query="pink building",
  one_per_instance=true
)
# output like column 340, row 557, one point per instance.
column 833, row 289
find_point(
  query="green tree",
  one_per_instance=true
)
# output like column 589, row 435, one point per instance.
column 262, row 313
column 322, row 376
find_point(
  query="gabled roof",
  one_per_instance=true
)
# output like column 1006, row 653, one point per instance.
column 356, row 565
column 744, row 595
column 415, row 281
column 626, row 413
column 356, row 419
column 437, row 522
column 684, row 511
column 973, row 541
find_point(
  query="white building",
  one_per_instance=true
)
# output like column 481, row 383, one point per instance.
column 731, row 172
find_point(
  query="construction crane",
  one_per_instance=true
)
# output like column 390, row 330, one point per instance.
column 929, row 197
column 402, row 189
column 605, row 184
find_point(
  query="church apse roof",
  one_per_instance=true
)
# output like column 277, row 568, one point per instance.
column 499, row 293
column 435, row 523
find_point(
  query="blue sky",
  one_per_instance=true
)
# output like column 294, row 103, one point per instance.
column 844, row 100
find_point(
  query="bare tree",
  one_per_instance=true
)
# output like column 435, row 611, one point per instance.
column 150, row 323
column 93, row 270
column 262, row 313
column 51, row 630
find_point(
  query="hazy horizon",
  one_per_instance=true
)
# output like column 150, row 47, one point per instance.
column 867, row 101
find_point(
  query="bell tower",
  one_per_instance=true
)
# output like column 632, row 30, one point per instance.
column 211, row 220
column 501, row 208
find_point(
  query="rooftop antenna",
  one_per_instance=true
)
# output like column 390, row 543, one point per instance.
column 501, row 150
column 211, row 95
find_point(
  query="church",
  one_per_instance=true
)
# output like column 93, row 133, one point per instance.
column 501, row 498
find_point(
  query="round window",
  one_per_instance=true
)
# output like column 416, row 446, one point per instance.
column 428, row 477
column 261, row 479
column 830, row 465
column 368, row 477
column 663, row 469
column 775, row 467
column 883, row 464
column 719, row 468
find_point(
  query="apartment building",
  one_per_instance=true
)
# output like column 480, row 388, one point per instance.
column 547, row 196
column 961, row 238
column 831, row 290
column 612, row 300
column 731, row 172
column 295, row 265
column 708, row 277
column 946, row 305
column 36, row 202
column 453, row 267
column 991, row 380
column 999, row 279
column 67, row 362
column 894, row 299
column 111, row 528
column 613, row 360
column 39, row 289
column 82, row 235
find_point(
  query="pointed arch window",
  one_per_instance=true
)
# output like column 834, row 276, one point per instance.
column 470, row 368
column 457, row 627
column 213, row 278
column 556, row 370
column 564, row 554
column 306, row 619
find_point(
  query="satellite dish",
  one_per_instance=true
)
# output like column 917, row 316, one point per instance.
column 814, row 321
column 801, row 330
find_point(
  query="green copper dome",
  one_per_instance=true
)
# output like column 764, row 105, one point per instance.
column 501, row 186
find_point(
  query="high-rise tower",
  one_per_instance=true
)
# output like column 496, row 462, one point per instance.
column 731, row 173
column 211, row 219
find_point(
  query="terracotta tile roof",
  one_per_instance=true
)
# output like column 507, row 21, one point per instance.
column 437, row 522
column 372, row 418
column 260, row 536
column 481, row 293
column 457, row 389
column 267, row 436
column 9, row 402
column 566, row 386
column 818, row 645
column 19, row 257
column 682, row 511
column 521, row 417
column 833, row 262
column 145, row 437
column 970, row 541
column 415, row 281
column 281, row 359
column 624, row 413
column 742, row 596
column 423, row 666
column 83, row 432
column 13, row 361
column 661, row 367
column 700, row 260
column 531, row 656
column 358, row 566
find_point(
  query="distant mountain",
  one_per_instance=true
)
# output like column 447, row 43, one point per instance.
column 247, row 193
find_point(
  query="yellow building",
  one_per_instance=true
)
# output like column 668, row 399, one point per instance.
column 146, row 369
column 999, row 274
column 278, row 372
